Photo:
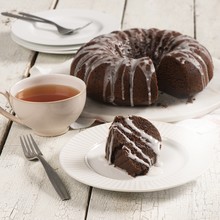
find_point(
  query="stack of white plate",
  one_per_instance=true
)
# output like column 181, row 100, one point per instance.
column 45, row 37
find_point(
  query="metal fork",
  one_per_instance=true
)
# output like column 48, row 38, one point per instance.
column 32, row 152
column 30, row 17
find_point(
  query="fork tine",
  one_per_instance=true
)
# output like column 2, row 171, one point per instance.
column 30, row 146
column 26, row 148
column 35, row 145
column 23, row 146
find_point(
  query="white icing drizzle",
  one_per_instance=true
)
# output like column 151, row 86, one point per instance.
column 188, row 56
column 153, row 143
column 110, row 149
column 122, row 127
column 115, row 51
column 160, row 44
column 122, row 84
column 186, row 51
column 135, row 157
column 148, row 75
column 134, row 146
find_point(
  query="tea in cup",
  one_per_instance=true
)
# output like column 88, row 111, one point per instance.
column 47, row 104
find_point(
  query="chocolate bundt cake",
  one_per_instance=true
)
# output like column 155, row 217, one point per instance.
column 133, row 144
column 127, row 67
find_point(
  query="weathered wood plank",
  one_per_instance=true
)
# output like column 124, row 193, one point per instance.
column 208, row 25
column 25, row 190
column 14, row 59
column 173, row 15
column 113, row 7
column 39, row 200
column 196, row 200
column 190, row 201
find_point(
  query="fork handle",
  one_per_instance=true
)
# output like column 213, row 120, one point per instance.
column 38, row 18
column 55, row 179
column 23, row 18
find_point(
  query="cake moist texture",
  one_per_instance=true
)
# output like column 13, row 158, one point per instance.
column 133, row 144
column 128, row 67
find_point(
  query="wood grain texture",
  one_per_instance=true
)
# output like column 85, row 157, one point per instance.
column 193, row 201
column 14, row 60
column 173, row 15
column 25, row 191
column 208, row 25
column 113, row 7
column 28, row 194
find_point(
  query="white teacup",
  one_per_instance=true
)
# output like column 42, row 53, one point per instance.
column 46, row 118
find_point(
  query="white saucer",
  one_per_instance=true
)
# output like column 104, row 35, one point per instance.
column 185, row 156
column 45, row 34
column 70, row 49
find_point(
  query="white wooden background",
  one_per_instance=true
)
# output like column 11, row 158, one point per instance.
column 26, row 193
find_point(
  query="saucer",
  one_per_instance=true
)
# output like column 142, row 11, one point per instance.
column 46, row 34
column 71, row 49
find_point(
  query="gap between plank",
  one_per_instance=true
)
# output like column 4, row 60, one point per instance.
column 4, row 138
column 26, row 74
column 88, row 202
column 123, row 14
column 194, row 17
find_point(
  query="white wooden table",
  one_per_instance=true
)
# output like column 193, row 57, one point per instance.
column 26, row 193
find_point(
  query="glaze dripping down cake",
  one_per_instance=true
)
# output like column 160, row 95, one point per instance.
column 128, row 67
column 133, row 144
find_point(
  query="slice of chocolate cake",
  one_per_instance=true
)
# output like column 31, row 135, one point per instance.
column 133, row 144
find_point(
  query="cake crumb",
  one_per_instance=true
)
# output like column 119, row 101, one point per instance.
column 190, row 99
column 162, row 105
column 6, row 21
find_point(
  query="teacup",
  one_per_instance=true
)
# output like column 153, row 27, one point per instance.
column 52, row 116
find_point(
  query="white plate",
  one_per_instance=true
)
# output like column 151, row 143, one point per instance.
column 46, row 34
column 70, row 49
column 185, row 156
column 177, row 109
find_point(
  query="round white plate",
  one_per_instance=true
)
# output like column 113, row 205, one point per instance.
column 47, row 34
column 177, row 109
column 70, row 49
column 185, row 156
